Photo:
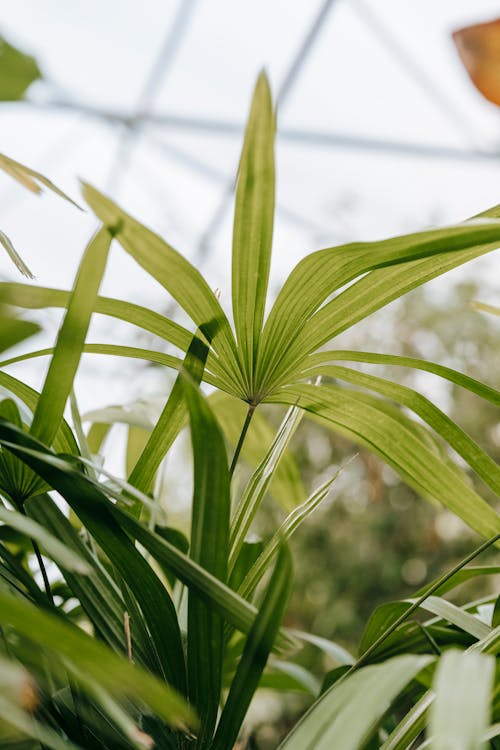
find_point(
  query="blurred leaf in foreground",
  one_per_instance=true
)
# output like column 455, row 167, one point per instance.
column 17, row 72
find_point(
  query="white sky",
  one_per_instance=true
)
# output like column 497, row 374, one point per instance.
column 100, row 53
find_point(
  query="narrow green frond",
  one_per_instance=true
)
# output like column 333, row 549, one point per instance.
column 71, row 339
column 255, row 653
column 186, row 285
column 362, row 420
column 253, row 226
column 324, row 272
column 96, row 513
column 447, row 373
column 281, row 536
column 209, row 548
column 446, row 428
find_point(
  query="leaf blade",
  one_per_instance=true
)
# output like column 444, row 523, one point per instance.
column 369, row 424
column 255, row 654
column 460, row 712
column 210, row 549
column 59, row 380
column 253, row 225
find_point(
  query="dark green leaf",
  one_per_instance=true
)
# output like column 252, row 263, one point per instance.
column 96, row 514
column 255, row 654
column 210, row 549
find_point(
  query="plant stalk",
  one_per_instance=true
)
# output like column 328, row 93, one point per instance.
column 239, row 446
column 43, row 571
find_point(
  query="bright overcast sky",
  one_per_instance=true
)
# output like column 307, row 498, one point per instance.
column 378, row 71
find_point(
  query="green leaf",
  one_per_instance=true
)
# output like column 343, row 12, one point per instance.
column 96, row 514
column 347, row 714
column 170, row 422
column 459, row 715
column 233, row 608
column 372, row 292
column 471, row 452
column 366, row 423
column 114, row 350
column 91, row 658
column 281, row 536
column 322, row 273
column 453, row 376
column 253, row 226
column 287, row 676
column 336, row 652
column 457, row 616
column 176, row 275
column 17, row 481
column 255, row 653
column 14, row 331
column 17, row 72
column 410, row 726
column 14, row 256
column 210, row 549
column 64, row 440
column 53, row 547
column 37, row 297
column 29, row 178
column 380, row 620
column 59, row 380
column 390, row 616
column 490, row 644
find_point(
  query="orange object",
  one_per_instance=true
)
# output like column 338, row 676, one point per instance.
column 479, row 50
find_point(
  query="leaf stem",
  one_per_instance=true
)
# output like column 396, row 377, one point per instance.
column 43, row 571
column 244, row 429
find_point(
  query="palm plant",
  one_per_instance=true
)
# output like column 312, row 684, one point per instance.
column 128, row 573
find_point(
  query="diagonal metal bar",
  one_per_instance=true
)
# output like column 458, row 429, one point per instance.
column 413, row 67
column 284, row 91
column 156, row 76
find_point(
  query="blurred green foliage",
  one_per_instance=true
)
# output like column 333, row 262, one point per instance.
column 17, row 72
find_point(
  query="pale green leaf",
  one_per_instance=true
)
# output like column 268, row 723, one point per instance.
column 186, row 285
column 322, row 273
column 59, row 380
column 347, row 714
column 457, row 616
column 460, row 713
column 352, row 415
column 14, row 256
column 253, row 226
column 481, row 462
